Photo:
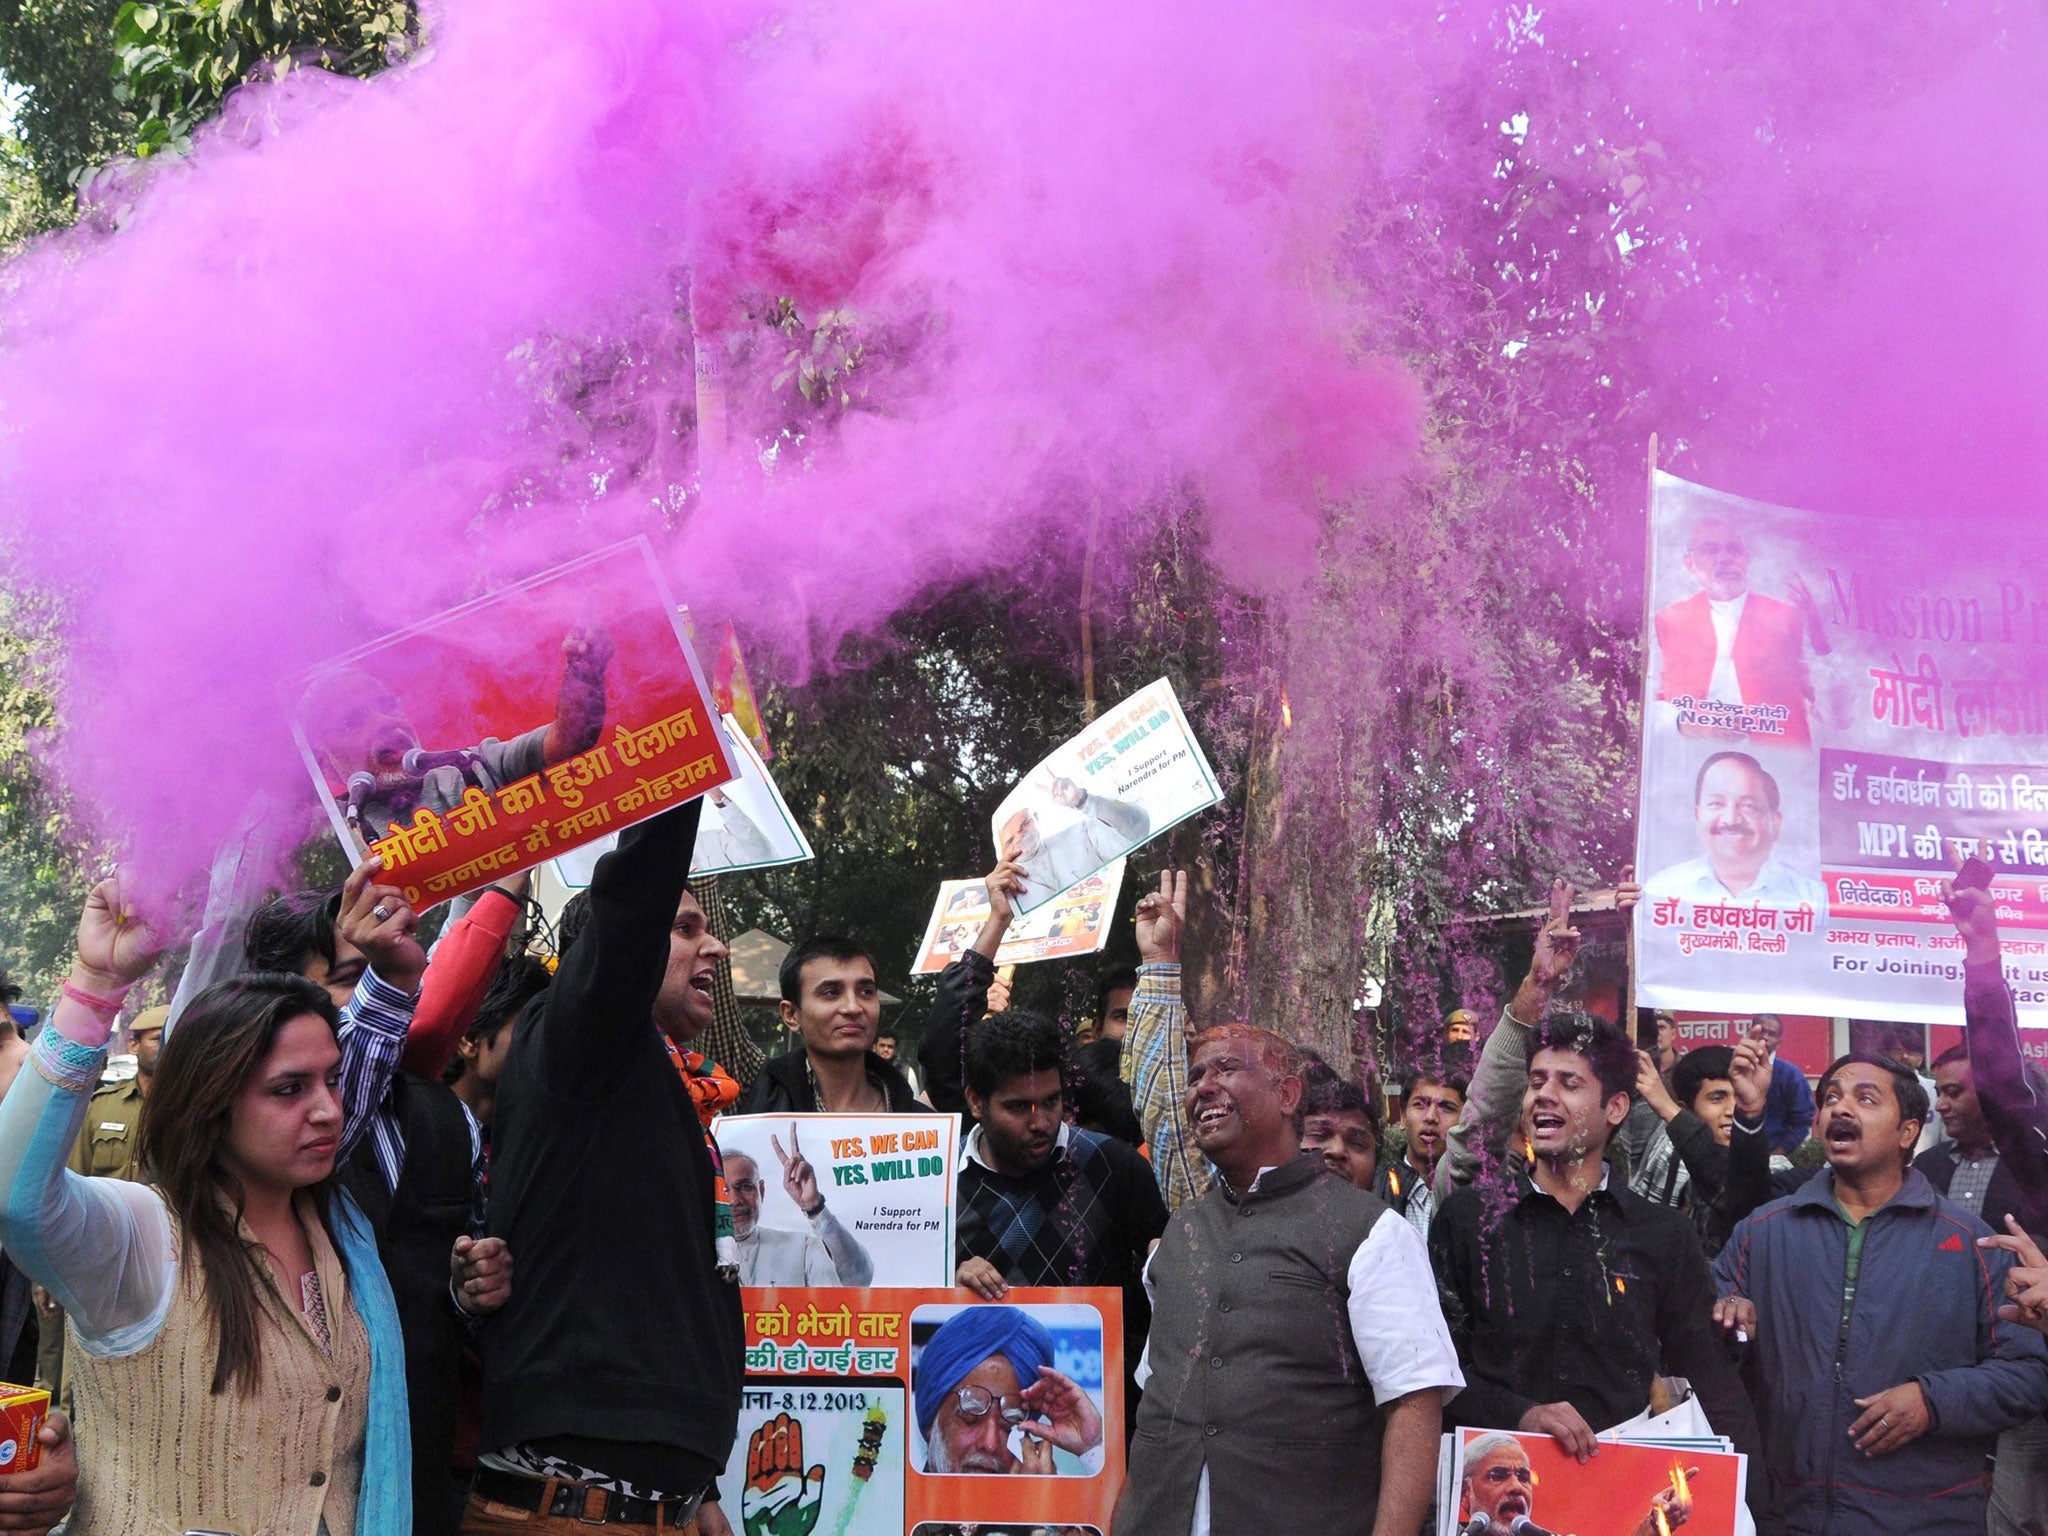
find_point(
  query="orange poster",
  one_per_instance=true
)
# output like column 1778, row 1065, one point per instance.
column 513, row 728
column 1503, row 1483
column 891, row 1411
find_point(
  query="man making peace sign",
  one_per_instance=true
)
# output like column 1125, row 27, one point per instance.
column 827, row 1254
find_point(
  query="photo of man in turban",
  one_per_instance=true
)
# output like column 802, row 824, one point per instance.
column 986, row 1371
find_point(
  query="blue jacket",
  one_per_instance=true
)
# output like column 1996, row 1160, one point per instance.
column 1926, row 1310
column 1788, row 1107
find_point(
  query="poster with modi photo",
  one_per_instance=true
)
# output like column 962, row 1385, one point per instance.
column 841, row 1200
column 1134, row 773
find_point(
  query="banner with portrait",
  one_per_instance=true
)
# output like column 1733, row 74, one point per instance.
column 1836, row 710
column 1135, row 772
column 841, row 1199
column 746, row 823
column 1075, row 922
column 509, row 730
column 888, row 1412
column 1489, row 1481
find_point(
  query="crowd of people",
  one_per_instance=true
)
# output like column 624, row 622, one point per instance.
column 382, row 1241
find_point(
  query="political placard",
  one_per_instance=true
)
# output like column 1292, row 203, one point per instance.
column 841, row 1199
column 903, row 1410
column 1075, row 922
column 746, row 823
column 1835, row 713
column 511, row 729
column 1135, row 772
column 1498, row 1483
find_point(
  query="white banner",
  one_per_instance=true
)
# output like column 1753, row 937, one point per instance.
column 1836, row 708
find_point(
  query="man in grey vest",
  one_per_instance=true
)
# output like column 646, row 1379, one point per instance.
column 1298, row 1364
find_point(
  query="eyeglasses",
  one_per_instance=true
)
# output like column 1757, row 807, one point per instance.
column 746, row 1187
column 1498, row 1474
column 974, row 1404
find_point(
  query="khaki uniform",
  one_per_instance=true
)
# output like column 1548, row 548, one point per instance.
column 106, row 1146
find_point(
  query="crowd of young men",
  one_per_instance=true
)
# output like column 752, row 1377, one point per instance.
column 1305, row 1307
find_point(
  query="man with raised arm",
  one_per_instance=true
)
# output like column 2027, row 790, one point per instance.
column 612, row 1377
column 1156, row 1044
column 2014, row 1115
column 1493, row 1106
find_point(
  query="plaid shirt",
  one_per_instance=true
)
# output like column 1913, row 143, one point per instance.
column 1155, row 1064
column 1972, row 1181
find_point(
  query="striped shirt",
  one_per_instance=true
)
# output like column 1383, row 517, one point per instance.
column 373, row 1036
column 1155, row 1064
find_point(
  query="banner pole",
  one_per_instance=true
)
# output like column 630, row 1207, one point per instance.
column 1629, row 971
column 1088, row 613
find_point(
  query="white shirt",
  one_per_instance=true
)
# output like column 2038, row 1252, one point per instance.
column 828, row 1254
column 1776, row 885
column 1727, row 616
column 1396, row 1325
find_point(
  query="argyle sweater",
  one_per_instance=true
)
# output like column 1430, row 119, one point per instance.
column 1086, row 1218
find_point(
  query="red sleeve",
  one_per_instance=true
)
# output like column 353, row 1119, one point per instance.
column 464, row 965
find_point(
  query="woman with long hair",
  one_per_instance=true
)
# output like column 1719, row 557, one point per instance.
column 239, row 1364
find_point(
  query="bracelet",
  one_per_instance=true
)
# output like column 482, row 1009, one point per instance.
column 814, row 1213
column 105, row 1007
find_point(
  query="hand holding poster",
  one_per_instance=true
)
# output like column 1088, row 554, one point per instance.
column 1075, row 922
column 1131, row 775
column 841, row 1199
column 1833, row 717
column 746, row 823
column 512, row 728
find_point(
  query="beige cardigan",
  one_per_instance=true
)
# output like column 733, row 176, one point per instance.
column 159, row 1452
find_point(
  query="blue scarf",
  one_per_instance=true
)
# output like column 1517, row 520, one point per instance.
column 384, row 1505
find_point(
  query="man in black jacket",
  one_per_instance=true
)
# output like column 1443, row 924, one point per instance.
column 832, row 1002
column 1967, row 1167
column 963, row 996
column 1564, row 1307
column 612, row 1378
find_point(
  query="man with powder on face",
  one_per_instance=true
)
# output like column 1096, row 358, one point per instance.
column 1566, row 1307
column 362, row 739
column 1735, row 646
column 1297, row 1365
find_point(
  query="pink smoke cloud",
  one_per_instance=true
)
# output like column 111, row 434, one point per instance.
column 262, row 420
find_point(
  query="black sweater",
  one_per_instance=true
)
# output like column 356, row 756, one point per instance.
column 619, row 1327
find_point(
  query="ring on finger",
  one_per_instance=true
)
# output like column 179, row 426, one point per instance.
column 381, row 912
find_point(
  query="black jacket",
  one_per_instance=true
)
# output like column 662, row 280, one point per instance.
column 620, row 1328
column 962, row 999
column 416, row 1226
column 783, row 1087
